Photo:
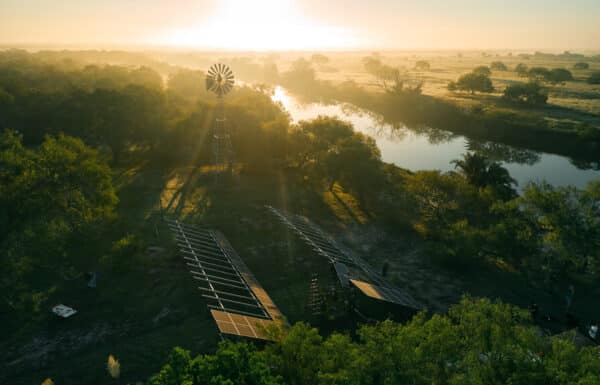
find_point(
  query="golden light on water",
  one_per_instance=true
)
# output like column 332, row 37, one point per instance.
column 260, row 25
column 281, row 96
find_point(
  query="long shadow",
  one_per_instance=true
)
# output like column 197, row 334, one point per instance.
column 345, row 206
column 180, row 196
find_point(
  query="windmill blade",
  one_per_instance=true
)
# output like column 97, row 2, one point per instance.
column 219, row 79
column 209, row 83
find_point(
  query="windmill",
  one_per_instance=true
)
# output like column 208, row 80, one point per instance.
column 219, row 80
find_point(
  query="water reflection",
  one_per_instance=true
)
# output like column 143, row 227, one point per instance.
column 426, row 148
column 503, row 153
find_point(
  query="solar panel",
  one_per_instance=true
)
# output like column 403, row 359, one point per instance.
column 381, row 293
column 240, row 325
column 226, row 283
column 347, row 266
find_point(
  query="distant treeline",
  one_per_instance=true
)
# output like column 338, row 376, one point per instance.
column 406, row 104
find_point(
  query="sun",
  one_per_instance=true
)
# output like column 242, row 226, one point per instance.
column 260, row 25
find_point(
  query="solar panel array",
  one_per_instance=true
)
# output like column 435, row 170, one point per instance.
column 359, row 273
column 241, row 325
column 236, row 299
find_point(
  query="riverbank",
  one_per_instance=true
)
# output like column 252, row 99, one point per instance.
column 487, row 120
column 425, row 148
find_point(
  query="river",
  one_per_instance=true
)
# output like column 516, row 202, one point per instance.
column 428, row 148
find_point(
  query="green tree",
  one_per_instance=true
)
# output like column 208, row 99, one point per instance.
column 481, row 172
column 482, row 70
column 297, row 355
column 538, row 73
column 477, row 342
column 233, row 363
column 594, row 78
column 559, row 75
column 422, row 65
column 47, row 195
column 531, row 93
column 581, row 66
column 474, row 82
column 498, row 66
column 521, row 69
column 568, row 220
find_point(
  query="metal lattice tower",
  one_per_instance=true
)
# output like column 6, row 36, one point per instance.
column 315, row 298
column 219, row 80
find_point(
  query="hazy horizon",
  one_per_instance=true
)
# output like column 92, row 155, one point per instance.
column 302, row 25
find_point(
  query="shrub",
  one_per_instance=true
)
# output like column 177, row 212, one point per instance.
column 559, row 75
column 475, row 82
column 594, row 78
column 482, row 70
column 531, row 93
column 521, row 69
column 581, row 66
column 422, row 65
column 498, row 66
column 539, row 73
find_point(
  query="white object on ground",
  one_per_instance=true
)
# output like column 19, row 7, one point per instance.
column 63, row 311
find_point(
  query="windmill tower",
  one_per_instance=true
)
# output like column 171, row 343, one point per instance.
column 315, row 299
column 219, row 80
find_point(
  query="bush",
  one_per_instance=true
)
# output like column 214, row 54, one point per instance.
column 594, row 78
column 539, row 73
column 581, row 66
column 498, row 66
column 556, row 75
column 422, row 65
column 475, row 82
column 124, row 253
column 482, row 70
column 559, row 75
column 521, row 69
column 531, row 93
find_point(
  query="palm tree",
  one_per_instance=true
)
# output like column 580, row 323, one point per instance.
column 474, row 167
column 482, row 172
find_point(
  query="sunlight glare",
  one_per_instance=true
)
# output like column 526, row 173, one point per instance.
column 261, row 25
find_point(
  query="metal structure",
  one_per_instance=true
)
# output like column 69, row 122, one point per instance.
column 238, row 303
column 219, row 80
column 315, row 301
column 350, row 269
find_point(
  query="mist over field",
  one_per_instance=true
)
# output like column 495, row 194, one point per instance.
column 299, row 192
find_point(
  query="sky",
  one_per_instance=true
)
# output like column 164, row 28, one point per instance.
column 259, row 25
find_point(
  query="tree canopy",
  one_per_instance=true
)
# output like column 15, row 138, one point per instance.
column 482, row 70
column 46, row 196
column 477, row 342
column 554, row 76
column 559, row 75
column 581, row 65
column 473, row 82
column 521, row 69
column 594, row 78
column 498, row 66
column 422, row 65
column 531, row 93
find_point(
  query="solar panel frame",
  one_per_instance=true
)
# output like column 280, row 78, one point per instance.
column 326, row 246
column 204, row 252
